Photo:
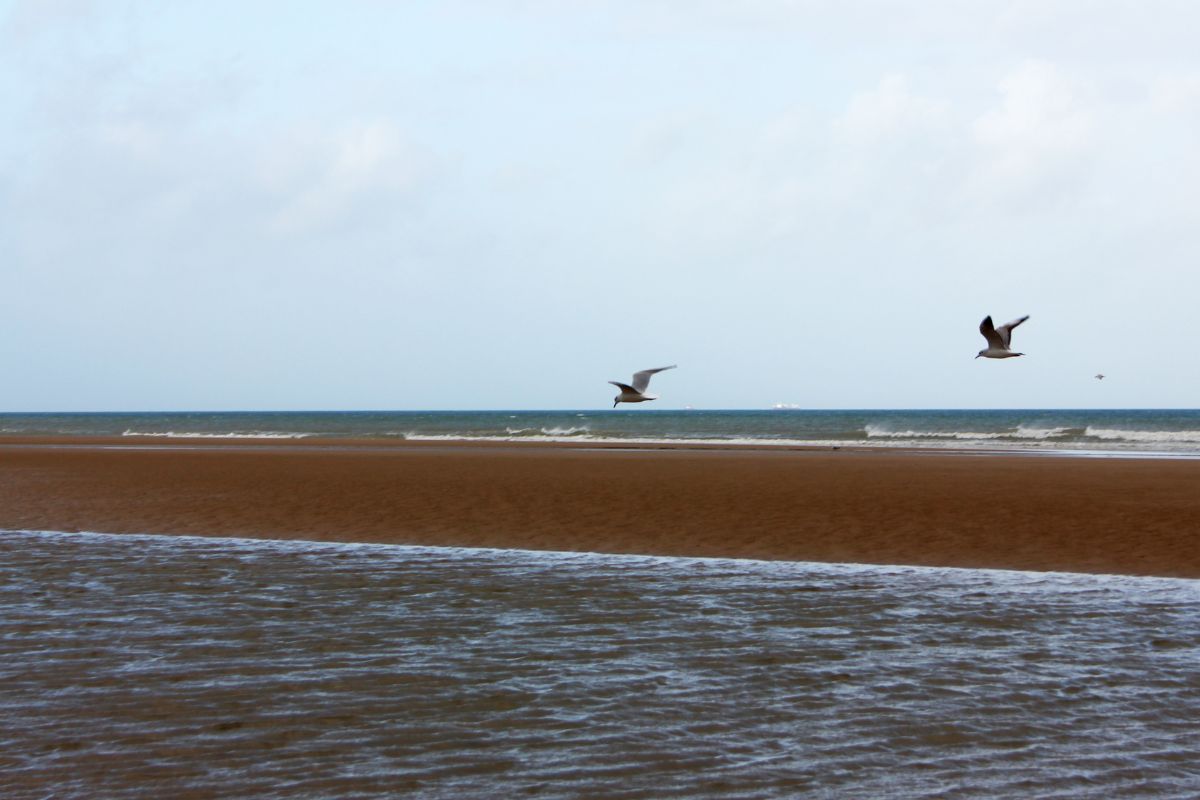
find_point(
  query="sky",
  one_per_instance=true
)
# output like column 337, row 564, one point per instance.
column 504, row 204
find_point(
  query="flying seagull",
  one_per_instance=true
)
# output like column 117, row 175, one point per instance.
column 998, row 339
column 1099, row 376
column 634, row 391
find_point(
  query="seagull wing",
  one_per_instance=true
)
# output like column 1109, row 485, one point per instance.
column 1005, row 331
column 625, row 388
column 989, row 333
column 642, row 379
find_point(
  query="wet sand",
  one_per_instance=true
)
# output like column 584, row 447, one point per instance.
column 1130, row 516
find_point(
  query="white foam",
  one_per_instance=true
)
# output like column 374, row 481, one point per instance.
column 1161, row 437
column 567, row 431
column 1020, row 432
column 232, row 435
column 1030, row 432
column 555, row 434
column 876, row 432
column 1022, row 438
column 1084, row 579
column 567, row 436
column 733, row 441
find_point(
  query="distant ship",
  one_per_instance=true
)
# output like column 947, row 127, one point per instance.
column 786, row 407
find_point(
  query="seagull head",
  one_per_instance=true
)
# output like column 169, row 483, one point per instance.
column 981, row 352
column 616, row 401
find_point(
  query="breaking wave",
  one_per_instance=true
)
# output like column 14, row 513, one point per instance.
column 1030, row 432
column 511, row 434
column 231, row 435
column 551, row 431
column 613, row 439
column 1158, row 437
column 874, row 432
column 1019, row 432
column 870, row 435
column 1039, row 430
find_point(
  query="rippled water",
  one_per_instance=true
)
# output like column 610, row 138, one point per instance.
column 144, row 666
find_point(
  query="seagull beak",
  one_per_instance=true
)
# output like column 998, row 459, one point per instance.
column 615, row 403
column 977, row 356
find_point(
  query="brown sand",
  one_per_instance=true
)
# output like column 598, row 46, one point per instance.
column 1133, row 516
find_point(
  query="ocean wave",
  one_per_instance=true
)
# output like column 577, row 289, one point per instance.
column 1160, row 437
column 555, row 431
column 1045, row 440
column 568, row 431
column 568, row 436
column 232, row 435
column 1031, row 432
column 671, row 441
column 875, row 432
column 872, row 435
column 1020, row 432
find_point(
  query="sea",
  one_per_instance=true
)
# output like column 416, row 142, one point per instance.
column 148, row 666
column 1146, row 431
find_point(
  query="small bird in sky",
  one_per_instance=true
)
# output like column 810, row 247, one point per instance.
column 1099, row 376
column 998, row 339
column 635, row 390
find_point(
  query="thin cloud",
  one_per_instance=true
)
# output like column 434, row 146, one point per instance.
column 888, row 111
column 1039, row 138
column 335, row 176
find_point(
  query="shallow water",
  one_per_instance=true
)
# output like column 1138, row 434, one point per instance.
column 143, row 666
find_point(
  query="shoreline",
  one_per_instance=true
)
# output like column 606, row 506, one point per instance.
column 864, row 505
column 568, row 555
column 386, row 443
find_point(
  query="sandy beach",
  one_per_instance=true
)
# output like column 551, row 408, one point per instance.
column 1129, row 516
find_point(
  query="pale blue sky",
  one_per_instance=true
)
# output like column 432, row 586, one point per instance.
column 505, row 204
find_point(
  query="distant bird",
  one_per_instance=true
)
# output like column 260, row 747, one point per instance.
column 998, row 339
column 1099, row 376
column 635, row 391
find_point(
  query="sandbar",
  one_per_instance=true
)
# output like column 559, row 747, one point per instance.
column 960, row 509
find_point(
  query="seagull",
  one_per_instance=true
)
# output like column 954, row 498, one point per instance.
column 998, row 339
column 1099, row 376
column 633, row 392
